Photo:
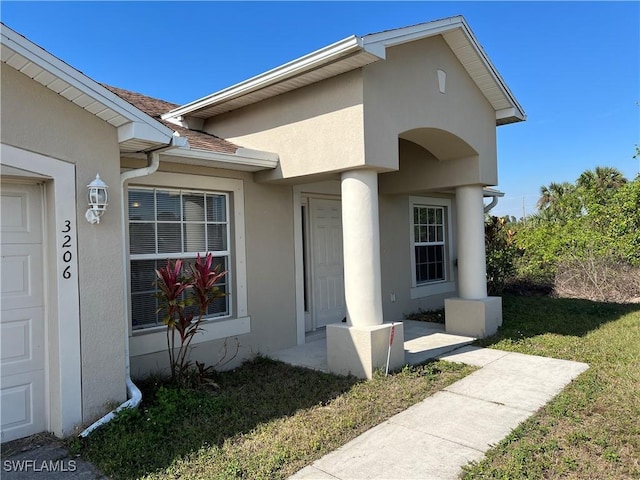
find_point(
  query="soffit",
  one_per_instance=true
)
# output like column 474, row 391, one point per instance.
column 244, row 98
column 36, row 63
column 486, row 78
column 61, row 87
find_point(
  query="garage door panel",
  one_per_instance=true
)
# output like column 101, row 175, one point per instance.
column 22, row 340
column 21, row 267
column 22, row 326
column 22, row 405
column 20, row 218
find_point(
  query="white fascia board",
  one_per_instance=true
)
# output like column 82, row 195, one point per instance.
column 296, row 67
column 66, row 73
column 244, row 160
column 510, row 113
column 519, row 112
column 143, row 131
column 377, row 43
column 491, row 192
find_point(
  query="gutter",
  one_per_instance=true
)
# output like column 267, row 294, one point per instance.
column 134, row 395
column 494, row 194
column 311, row 61
column 244, row 159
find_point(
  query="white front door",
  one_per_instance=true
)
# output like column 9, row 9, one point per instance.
column 22, row 383
column 327, row 264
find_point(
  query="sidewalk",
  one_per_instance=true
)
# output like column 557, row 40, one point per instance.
column 435, row 438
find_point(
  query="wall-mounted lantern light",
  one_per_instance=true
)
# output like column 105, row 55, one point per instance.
column 98, row 197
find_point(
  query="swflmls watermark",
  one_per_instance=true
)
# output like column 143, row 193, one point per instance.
column 44, row 466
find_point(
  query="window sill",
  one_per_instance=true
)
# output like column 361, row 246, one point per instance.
column 432, row 289
column 152, row 341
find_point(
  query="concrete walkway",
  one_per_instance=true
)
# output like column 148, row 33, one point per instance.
column 431, row 440
column 437, row 437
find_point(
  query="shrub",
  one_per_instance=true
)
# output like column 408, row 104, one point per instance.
column 597, row 277
column 178, row 292
column 501, row 253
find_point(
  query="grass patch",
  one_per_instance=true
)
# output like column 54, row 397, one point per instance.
column 434, row 316
column 267, row 421
column 592, row 428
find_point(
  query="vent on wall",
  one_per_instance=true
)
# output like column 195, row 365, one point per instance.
column 442, row 80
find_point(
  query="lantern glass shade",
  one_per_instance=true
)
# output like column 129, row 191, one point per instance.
column 98, row 195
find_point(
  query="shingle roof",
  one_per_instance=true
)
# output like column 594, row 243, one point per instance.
column 155, row 107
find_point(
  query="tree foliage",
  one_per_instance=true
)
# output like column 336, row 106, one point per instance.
column 597, row 216
column 501, row 253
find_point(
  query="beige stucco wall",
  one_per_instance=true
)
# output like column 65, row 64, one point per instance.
column 36, row 119
column 357, row 118
column 270, row 271
column 395, row 258
column 420, row 171
column 313, row 129
column 401, row 95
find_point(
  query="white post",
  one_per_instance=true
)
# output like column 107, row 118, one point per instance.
column 472, row 269
column 361, row 246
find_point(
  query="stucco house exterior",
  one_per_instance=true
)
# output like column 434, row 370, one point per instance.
column 348, row 183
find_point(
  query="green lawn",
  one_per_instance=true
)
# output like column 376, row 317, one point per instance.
column 592, row 429
column 267, row 421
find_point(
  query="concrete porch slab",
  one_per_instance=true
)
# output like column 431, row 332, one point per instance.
column 312, row 354
column 422, row 341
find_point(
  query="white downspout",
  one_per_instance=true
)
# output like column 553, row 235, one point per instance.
column 494, row 202
column 494, row 199
column 134, row 394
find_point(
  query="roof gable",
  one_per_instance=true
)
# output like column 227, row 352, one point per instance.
column 355, row 52
column 461, row 40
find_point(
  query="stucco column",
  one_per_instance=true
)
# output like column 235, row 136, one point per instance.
column 361, row 246
column 472, row 269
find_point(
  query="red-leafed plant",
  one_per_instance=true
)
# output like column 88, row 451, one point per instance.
column 178, row 290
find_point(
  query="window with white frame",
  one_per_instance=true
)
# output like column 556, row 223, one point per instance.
column 170, row 224
column 429, row 243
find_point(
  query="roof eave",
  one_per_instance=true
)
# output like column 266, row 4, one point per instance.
column 133, row 125
column 510, row 115
column 372, row 46
column 518, row 114
column 297, row 67
column 244, row 159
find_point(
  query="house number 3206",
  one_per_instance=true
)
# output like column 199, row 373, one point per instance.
column 66, row 249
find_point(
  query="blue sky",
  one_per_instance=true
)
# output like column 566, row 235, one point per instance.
column 574, row 66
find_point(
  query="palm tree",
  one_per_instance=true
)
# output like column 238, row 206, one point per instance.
column 603, row 179
column 558, row 201
column 552, row 194
column 598, row 185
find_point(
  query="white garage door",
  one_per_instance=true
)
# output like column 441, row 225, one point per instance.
column 22, row 318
